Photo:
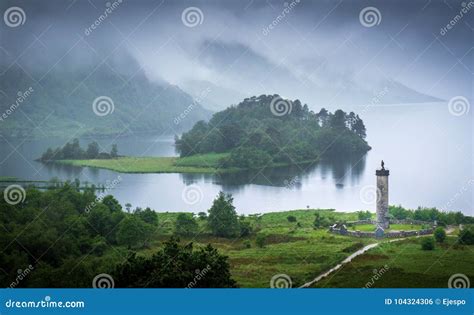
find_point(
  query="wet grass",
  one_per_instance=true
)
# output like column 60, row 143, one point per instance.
column 405, row 265
column 203, row 163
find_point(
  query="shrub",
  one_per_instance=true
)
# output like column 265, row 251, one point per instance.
column 223, row 219
column 364, row 215
column 148, row 216
column 466, row 236
column 174, row 266
column 202, row 216
column 428, row 243
column 132, row 232
column 247, row 244
column 185, row 225
column 439, row 234
column 291, row 218
column 245, row 228
column 260, row 240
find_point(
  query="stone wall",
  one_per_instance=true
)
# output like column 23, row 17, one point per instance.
column 342, row 230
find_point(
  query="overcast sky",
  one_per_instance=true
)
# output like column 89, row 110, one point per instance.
column 313, row 45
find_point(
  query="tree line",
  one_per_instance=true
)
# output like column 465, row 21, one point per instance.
column 70, row 236
column 73, row 151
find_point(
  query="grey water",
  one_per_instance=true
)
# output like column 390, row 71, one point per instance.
column 428, row 150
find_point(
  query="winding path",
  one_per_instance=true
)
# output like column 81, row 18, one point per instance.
column 354, row 255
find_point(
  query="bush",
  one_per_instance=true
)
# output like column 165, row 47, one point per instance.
column 148, row 216
column 247, row 244
column 439, row 234
column 245, row 228
column 133, row 232
column 175, row 266
column 321, row 221
column 202, row 216
column 364, row 215
column 428, row 243
column 260, row 240
column 291, row 218
column 223, row 219
column 185, row 225
column 466, row 236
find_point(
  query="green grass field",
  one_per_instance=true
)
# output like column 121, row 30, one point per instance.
column 404, row 264
column 199, row 163
column 290, row 248
column 203, row 163
column 303, row 253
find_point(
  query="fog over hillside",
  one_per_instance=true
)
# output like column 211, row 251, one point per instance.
column 316, row 51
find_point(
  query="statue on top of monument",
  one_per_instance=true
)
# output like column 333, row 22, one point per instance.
column 383, row 165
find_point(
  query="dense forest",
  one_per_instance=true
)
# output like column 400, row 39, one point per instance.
column 256, row 135
column 73, row 150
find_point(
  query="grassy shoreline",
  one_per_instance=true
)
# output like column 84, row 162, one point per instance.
column 199, row 163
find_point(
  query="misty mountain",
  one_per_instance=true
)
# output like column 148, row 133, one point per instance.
column 101, row 99
column 212, row 96
column 315, row 82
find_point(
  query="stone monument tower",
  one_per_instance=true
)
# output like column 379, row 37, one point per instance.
column 382, row 197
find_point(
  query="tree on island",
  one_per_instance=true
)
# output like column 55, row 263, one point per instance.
column 114, row 151
column 92, row 150
column 255, row 136
column 73, row 151
column 223, row 219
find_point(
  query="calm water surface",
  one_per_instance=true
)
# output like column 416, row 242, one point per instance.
column 429, row 153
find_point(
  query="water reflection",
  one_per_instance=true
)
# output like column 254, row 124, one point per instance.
column 341, row 169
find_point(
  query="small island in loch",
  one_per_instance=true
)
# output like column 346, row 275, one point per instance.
column 260, row 132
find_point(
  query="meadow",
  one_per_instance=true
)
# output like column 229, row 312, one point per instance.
column 202, row 163
column 299, row 250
